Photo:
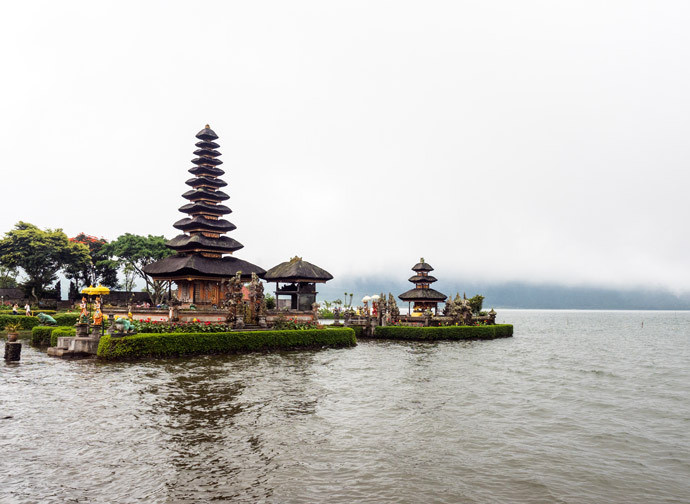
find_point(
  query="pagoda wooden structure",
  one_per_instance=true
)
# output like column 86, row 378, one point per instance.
column 299, row 279
column 423, row 297
column 199, row 264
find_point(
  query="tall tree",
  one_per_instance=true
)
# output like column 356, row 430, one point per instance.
column 100, row 269
column 40, row 254
column 8, row 277
column 137, row 251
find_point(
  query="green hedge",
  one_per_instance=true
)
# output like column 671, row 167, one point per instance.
column 21, row 311
column 444, row 333
column 40, row 335
column 66, row 319
column 59, row 332
column 177, row 344
column 26, row 322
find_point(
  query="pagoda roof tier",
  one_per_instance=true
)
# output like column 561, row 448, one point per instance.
column 207, row 153
column 422, row 266
column 206, row 161
column 198, row 242
column 207, row 134
column 422, row 279
column 201, row 223
column 206, row 170
column 180, row 266
column 198, row 207
column 297, row 270
column 206, row 181
column 207, row 145
column 205, row 194
column 430, row 295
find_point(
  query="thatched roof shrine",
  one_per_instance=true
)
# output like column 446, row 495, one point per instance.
column 299, row 278
column 297, row 270
column 422, row 295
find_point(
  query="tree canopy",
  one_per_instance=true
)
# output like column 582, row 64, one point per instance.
column 135, row 252
column 40, row 255
column 99, row 269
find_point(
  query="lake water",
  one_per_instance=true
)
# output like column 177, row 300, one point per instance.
column 577, row 407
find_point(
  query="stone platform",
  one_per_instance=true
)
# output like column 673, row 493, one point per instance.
column 75, row 346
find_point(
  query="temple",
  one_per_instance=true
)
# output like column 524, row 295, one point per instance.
column 199, row 264
column 299, row 279
column 422, row 295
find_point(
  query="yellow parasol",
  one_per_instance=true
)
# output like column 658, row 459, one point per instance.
column 100, row 290
column 89, row 290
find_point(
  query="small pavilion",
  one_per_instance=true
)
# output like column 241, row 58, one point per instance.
column 299, row 279
column 423, row 297
column 200, row 263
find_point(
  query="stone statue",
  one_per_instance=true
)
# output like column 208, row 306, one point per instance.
column 46, row 319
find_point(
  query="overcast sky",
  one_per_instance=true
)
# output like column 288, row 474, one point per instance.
column 541, row 141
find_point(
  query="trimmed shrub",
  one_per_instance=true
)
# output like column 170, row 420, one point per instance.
column 21, row 311
column 444, row 333
column 359, row 330
column 59, row 332
column 177, row 344
column 40, row 335
column 26, row 322
column 66, row 319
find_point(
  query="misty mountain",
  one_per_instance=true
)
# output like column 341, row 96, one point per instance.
column 519, row 294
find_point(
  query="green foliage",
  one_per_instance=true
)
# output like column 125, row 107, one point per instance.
column 270, row 302
column 40, row 335
column 476, row 303
column 359, row 331
column 444, row 333
column 135, row 252
column 177, row 327
column 21, row 310
column 8, row 277
column 26, row 322
column 178, row 344
column 59, row 332
column 291, row 324
column 13, row 327
column 66, row 319
column 99, row 269
column 40, row 254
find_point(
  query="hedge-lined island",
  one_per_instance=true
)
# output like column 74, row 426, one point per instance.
column 218, row 304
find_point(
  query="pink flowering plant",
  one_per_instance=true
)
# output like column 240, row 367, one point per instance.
column 153, row 326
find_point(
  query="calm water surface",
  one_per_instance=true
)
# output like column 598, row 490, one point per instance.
column 578, row 407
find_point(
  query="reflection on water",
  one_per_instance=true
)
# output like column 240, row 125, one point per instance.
column 577, row 407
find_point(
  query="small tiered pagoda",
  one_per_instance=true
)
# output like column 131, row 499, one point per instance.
column 200, row 264
column 423, row 297
column 299, row 279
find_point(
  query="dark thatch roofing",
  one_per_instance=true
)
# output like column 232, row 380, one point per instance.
column 207, row 134
column 422, row 266
column 297, row 270
column 206, row 170
column 201, row 222
column 207, row 153
column 207, row 145
column 222, row 244
column 431, row 295
column 206, row 161
column 195, row 265
column 422, row 279
column 203, row 193
column 209, row 181
column 199, row 207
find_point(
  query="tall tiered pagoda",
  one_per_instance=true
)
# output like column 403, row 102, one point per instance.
column 200, row 263
column 423, row 297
